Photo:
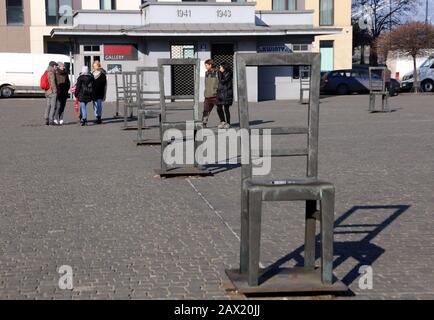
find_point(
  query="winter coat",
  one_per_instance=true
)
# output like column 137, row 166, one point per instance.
column 211, row 83
column 84, row 88
column 225, row 91
column 63, row 84
column 100, row 87
column 52, row 81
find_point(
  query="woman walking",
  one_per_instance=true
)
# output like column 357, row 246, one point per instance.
column 63, row 85
column 225, row 95
column 100, row 90
column 84, row 92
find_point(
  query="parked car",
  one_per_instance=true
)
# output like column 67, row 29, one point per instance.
column 426, row 77
column 21, row 72
column 352, row 80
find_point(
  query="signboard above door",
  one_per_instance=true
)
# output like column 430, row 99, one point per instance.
column 120, row 52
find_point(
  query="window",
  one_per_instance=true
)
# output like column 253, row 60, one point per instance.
column 58, row 12
column 14, row 12
column 300, row 47
column 107, row 4
column 91, row 48
column 326, row 12
column 280, row 5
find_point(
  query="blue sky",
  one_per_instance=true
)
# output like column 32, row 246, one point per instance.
column 420, row 12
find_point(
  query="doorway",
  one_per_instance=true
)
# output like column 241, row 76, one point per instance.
column 183, row 76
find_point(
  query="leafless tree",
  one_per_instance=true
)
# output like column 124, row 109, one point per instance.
column 377, row 16
column 412, row 39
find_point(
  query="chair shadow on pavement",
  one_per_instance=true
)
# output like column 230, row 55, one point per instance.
column 363, row 251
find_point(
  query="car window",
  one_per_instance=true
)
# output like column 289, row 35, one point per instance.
column 355, row 74
column 427, row 63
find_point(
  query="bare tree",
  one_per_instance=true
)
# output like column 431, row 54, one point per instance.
column 377, row 16
column 412, row 39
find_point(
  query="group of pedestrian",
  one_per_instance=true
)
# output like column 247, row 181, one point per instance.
column 218, row 92
column 56, row 84
column 90, row 87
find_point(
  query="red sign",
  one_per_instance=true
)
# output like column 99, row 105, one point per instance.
column 120, row 52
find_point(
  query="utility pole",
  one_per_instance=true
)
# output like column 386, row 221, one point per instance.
column 426, row 19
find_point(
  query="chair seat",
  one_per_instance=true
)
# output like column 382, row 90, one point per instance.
column 289, row 189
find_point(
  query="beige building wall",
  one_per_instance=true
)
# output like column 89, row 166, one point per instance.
column 15, row 39
column 343, row 42
column 91, row 4
column 38, row 29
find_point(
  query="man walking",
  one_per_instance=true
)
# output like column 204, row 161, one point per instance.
column 50, row 87
column 211, row 86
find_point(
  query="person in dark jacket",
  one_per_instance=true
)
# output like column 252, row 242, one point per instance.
column 100, row 90
column 84, row 92
column 225, row 95
column 63, row 85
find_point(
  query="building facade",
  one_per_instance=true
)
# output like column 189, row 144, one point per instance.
column 124, row 34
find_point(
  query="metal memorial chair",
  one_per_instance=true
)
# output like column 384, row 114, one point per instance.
column 129, row 83
column 377, row 87
column 250, row 278
column 148, row 103
column 166, row 124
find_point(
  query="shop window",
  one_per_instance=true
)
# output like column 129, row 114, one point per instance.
column 14, row 12
column 326, row 12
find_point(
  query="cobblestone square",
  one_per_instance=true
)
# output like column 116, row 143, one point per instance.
column 88, row 198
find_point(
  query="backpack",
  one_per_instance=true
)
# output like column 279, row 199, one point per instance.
column 45, row 84
column 88, row 88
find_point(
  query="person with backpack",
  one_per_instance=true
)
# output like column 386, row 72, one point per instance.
column 99, row 91
column 49, row 85
column 225, row 95
column 63, row 85
column 84, row 92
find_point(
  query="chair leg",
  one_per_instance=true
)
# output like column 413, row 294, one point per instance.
column 327, row 224
column 164, row 145
column 125, row 115
column 310, row 233
column 372, row 103
column 140, row 117
column 255, row 211
column 244, row 245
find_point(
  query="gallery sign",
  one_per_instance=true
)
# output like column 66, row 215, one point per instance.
column 120, row 52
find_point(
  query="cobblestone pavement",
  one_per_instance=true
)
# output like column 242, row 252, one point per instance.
column 88, row 198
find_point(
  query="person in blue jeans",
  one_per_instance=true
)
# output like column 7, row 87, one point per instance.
column 99, row 90
column 84, row 92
